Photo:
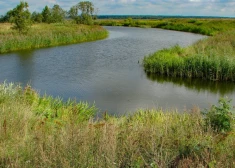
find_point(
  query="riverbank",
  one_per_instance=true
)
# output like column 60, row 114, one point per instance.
column 209, row 59
column 48, row 35
column 47, row 132
column 207, row 27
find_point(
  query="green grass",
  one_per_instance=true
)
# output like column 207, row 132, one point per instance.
column 47, row 35
column 200, row 26
column 212, row 59
column 41, row 131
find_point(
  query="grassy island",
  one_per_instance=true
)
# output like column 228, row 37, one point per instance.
column 47, row 35
column 212, row 58
column 47, row 132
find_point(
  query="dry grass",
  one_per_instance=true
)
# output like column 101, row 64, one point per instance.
column 150, row 138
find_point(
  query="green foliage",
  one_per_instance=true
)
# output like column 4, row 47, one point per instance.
column 220, row 117
column 48, row 35
column 43, row 131
column 20, row 16
column 36, row 17
column 57, row 14
column 208, row 27
column 129, row 22
column 82, row 12
column 211, row 59
column 7, row 16
column 46, row 13
column 73, row 13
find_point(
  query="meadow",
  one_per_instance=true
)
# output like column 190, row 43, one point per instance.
column 207, row 26
column 47, row 35
column 41, row 131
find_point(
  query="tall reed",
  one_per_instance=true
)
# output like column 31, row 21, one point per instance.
column 200, row 26
column 47, row 132
column 212, row 58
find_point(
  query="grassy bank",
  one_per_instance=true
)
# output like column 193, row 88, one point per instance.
column 46, row 132
column 47, row 35
column 212, row 59
column 200, row 26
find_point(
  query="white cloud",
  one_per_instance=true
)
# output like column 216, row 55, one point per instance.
column 149, row 7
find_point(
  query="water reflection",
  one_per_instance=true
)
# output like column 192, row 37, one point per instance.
column 107, row 72
column 199, row 85
column 25, row 68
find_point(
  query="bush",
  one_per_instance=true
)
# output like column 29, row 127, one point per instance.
column 21, row 17
column 220, row 117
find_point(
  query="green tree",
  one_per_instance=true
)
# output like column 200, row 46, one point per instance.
column 7, row 16
column 73, row 14
column 46, row 14
column 20, row 16
column 86, row 9
column 36, row 17
column 57, row 14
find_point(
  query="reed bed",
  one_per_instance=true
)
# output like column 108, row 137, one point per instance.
column 200, row 26
column 41, row 131
column 47, row 35
column 212, row 59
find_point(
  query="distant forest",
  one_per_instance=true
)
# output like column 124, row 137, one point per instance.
column 153, row 16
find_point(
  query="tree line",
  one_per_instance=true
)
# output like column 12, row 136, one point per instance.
column 82, row 13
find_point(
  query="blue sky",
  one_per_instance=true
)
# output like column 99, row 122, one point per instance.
column 138, row 7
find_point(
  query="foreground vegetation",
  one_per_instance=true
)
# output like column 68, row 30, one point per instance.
column 47, row 35
column 48, row 132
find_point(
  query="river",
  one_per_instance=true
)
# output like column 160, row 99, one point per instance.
column 109, row 73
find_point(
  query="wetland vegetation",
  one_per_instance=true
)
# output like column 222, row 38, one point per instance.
column 201, row 26
column 48, row 28
column 46, row 35
column 47, row 132
column 210, row 59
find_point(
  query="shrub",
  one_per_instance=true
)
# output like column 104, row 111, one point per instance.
column 220, row 117
column 21, row 17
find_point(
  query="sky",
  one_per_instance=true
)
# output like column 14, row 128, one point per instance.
column 138, row 7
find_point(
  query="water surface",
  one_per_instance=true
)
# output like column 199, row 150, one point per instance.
column 109, row 72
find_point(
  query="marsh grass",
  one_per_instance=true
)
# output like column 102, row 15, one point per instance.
column 47, row 35
column 47, row 132
column 212, row 59
column 200, row 26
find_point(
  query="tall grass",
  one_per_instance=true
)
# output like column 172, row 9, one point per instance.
column 47, row 35
column 212, row 58
column 200, row 26
column 45, row 132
